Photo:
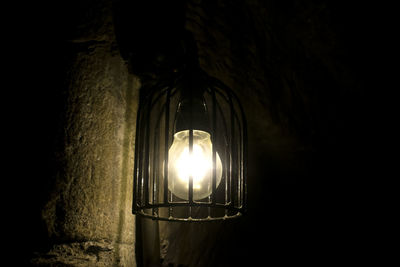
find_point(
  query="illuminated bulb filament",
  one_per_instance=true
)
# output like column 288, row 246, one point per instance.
column 198, row 165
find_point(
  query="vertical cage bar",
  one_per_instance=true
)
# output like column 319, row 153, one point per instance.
column 214, row 142
column 166, row 145
column 232, row 149
column 240, row 164
column 190, row 148
column 136, row 168
column 147, row 158
column 225, row 142
column 225, row 172
column 244, row 157
column 140, row 185
column 191, row 176
column 238, row 158
column 238, row 168
column 155, row 168
column 241, row 175
column 170, row 211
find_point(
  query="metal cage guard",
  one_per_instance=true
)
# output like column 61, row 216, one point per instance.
column 191, row 102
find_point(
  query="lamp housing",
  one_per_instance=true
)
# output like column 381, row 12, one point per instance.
column 190, row 150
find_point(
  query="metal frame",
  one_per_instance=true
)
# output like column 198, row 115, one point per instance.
column 156, row 125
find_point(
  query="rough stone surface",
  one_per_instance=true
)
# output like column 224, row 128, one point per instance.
column 89, row 253
column 86, row 208
column 96, row 156
column 291, row 65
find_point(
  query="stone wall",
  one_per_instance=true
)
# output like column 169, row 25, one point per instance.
column 299, row 72
column 86, row 192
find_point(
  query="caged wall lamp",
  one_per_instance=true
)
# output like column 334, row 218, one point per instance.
column 190, row 150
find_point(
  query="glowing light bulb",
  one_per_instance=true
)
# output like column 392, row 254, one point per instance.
column 199, row 165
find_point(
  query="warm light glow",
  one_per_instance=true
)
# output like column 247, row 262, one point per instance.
column 195, row 165
column 182, row 165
